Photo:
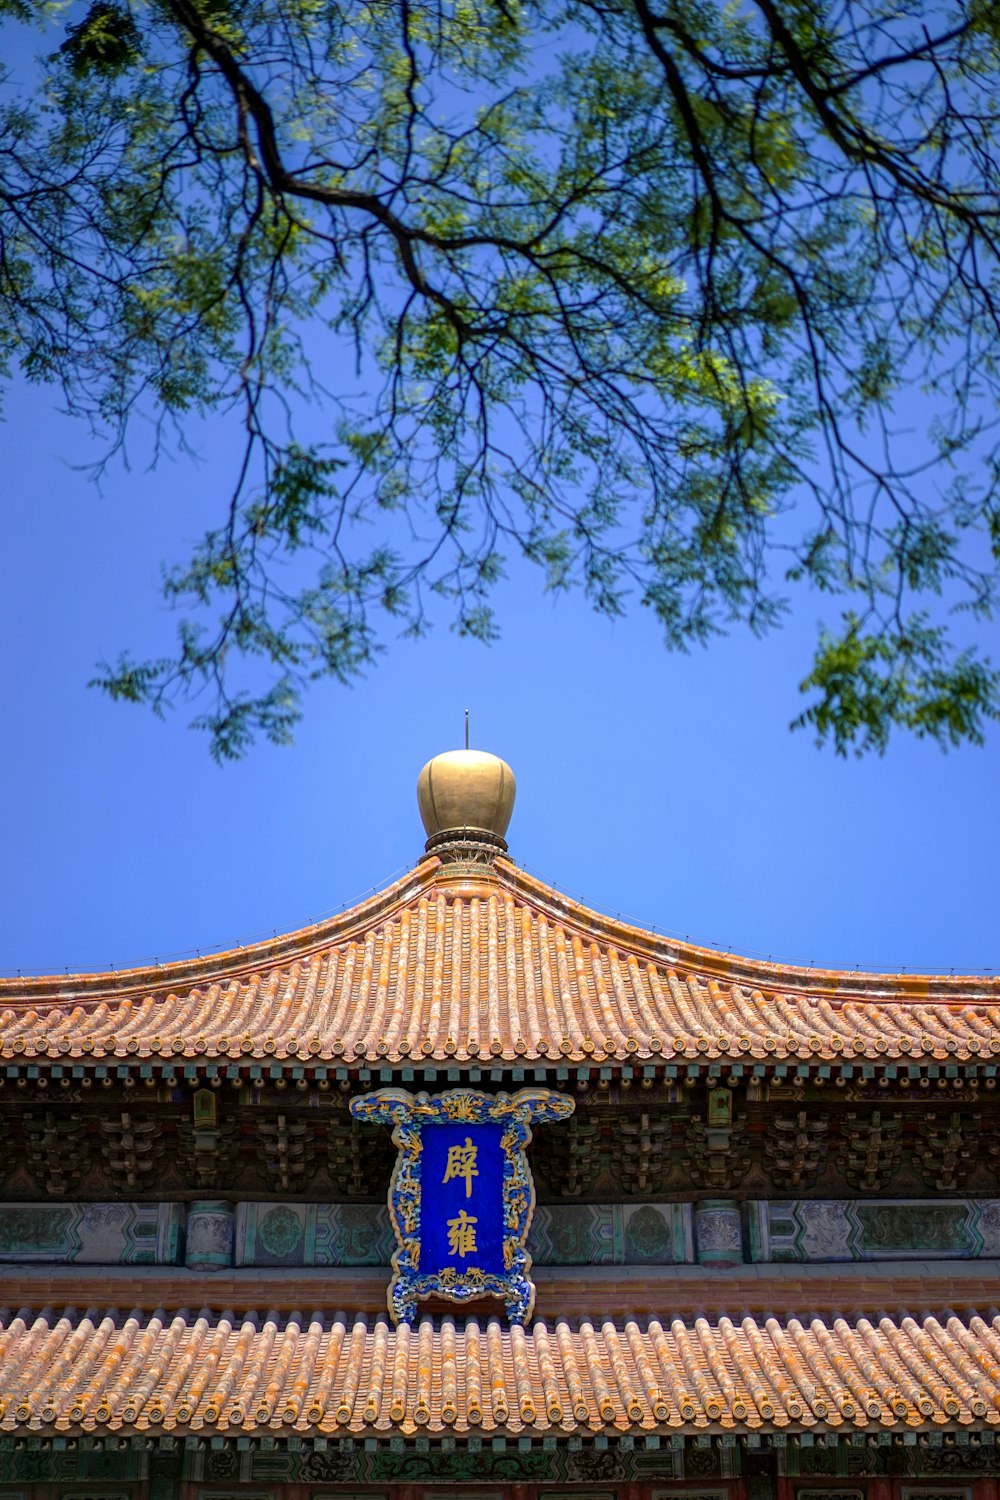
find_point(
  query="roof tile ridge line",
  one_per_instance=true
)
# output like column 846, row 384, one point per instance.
column 842, row 984
column 187, row 973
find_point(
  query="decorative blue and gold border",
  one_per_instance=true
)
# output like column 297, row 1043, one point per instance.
column 408, row 1114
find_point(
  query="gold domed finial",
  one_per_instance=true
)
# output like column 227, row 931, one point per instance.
column 466, row 798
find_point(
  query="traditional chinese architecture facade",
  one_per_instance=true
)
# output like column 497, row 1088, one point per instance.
column 765, row 1251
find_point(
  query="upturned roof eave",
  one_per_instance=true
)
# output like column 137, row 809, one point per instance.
column 231, row 963
column 761, row 974
column 641, row 943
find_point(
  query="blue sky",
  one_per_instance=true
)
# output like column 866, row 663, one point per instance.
column 663, row 787
column 666, row 788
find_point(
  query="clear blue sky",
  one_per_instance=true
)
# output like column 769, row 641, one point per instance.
column 666, row 788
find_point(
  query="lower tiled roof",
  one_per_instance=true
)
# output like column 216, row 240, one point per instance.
column 91, row 1371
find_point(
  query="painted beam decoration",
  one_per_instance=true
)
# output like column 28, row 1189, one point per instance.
column 461, row 1196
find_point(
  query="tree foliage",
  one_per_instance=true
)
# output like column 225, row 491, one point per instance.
column 689, row 304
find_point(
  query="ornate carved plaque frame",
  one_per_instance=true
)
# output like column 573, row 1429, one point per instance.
column 509, row 1115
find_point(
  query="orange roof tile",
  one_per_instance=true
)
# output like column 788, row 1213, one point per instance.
column 494, row 967
column 66, row 1371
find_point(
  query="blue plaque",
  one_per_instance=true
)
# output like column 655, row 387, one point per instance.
column 461, row 1196
column 461, row 1219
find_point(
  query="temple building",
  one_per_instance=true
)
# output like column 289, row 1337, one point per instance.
column 737, row 1223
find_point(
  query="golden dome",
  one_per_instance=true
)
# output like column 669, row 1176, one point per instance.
column 466, row 796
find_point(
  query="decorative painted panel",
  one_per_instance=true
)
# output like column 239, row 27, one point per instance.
column 655, row 1234
column 93, row 1467
column 349, row 1495
column 477, row 1494
column 585, row 1466
column 900, row 1229
column 575, row 1235
column 98, row 1495
column 94, row 1234
column 313, row 1234
column 925, row 1492
column 813, row 1493
column 577, row 1495
column 236, row 1495
column 678, row 1494
column 842, row 1461
column 360, row 1234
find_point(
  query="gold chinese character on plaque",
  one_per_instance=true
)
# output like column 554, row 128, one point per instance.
column 462, row 1235
column 462, row 1163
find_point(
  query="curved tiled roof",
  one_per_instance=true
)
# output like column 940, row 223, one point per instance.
column 67, row 1372
column 491, row 966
